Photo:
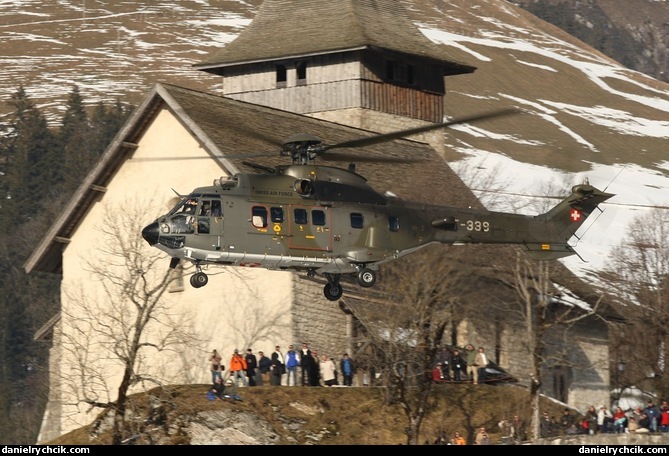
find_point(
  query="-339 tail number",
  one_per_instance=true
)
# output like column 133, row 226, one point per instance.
column 477, row 225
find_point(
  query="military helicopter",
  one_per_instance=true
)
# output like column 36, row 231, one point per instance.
column 329, row 221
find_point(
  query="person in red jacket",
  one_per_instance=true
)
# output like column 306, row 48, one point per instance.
column 437, row 374
column 238, row 368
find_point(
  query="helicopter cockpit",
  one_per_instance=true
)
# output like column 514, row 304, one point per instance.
column 193, row 215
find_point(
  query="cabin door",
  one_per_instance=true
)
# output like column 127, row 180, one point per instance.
column 310, row 228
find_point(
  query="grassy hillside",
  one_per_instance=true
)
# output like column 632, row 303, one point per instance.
column 333, row 416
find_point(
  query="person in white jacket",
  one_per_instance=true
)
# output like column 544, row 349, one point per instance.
column 604, row 420
column 328, row 371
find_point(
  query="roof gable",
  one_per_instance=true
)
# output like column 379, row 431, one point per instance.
column 287, row 29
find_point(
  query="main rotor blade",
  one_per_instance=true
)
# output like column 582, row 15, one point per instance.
column 269, row 169
column 412, row 131
column 343, row 157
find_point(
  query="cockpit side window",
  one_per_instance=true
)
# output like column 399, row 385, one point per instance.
column 205, row 208
column 216, row 210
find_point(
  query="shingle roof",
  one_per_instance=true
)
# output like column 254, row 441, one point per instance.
column 289, row 28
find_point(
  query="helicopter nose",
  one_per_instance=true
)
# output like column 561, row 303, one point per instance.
column 150, row 233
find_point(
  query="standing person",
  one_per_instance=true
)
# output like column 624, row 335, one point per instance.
column 328, row 371
column 314, row 370
column 215, row 366
column 482, row 437
column 292, row 362
column 591, row 420
column 278, row 366
column 458, row 366
column 470, row 359
column 506, row 428
column 305, row 363
column 481, row 361
column 347, row 369
column 264, row 368
column 438, row 374
column 458, row 439
column 604, row 420
column 447, row 358
column 653, row 414
column 519, row 434
column 238, row 368
column 251, row 367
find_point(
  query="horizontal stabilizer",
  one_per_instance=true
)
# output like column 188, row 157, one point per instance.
column 548, row 251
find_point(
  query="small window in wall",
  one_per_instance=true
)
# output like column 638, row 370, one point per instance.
column 410, row 74
column 281, row 75
column 393, row 223
column 390, row 70
column 276, row 213
column 318, row 217
column 561, row 376
column 259, row 216
column 400, row 72
column 301, row 68
column 301, row 216
column 357, row 220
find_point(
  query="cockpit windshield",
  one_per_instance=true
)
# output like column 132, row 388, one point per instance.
column 186, row 206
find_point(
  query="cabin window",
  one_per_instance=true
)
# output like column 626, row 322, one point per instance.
column 318, row 217
column 281, row 75
column 357, row 220
column 259, row 217
column 301, row 68
column 276, row 214
column 301, row 216
column 393, row 223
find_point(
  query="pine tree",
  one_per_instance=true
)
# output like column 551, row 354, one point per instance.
column 27, row 148
column 75, row 137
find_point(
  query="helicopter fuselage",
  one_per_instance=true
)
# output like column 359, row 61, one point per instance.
column 329, row 221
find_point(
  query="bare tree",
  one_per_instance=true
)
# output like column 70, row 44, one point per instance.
column 637, row 277
column 122, row 324
column 406, row 330
column 546, row 321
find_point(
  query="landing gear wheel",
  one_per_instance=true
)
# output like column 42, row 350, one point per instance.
column 366, row 277
column 333, row 291
column 199, row 279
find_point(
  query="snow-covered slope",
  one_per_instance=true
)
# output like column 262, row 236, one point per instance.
column 586, row 116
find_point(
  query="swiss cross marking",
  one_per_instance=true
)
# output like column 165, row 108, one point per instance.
column 575, row 215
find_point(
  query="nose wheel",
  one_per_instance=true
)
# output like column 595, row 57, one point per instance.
column 199, row 279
